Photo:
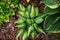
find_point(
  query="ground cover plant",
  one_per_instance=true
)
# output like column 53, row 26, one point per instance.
column 7, row 9
column 27, row 20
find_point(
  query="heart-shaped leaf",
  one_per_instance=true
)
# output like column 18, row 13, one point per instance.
column 48, row 10
column 52, row 23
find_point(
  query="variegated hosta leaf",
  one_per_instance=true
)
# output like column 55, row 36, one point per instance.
column 32, row 14
column 23, row 18
column 21, row 13
column 48, row 10
column 38, row 20
column 52, row 24
column 20, row 32
column 52, row 3
column 27, row 14
column 30, row 29
column 25, row 36
column 28, row 21
column 21, row 7
column 38, row 29
column 22, row 25
column 49, row 20
column 29, row 8
column 33, row 34
column 19, row 21
column 36, row 11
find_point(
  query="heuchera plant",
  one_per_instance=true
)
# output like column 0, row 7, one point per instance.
column 6, row 11
column 28, row 22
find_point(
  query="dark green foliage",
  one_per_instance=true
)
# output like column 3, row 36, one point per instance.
column 52, row 23
column 50, row 11
column 51, row 3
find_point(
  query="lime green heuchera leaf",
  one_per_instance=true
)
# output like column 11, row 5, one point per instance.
column 48, row 10
column 52, row 24
column 52, row 3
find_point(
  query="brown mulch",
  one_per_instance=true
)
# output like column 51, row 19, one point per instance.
column 8, row 31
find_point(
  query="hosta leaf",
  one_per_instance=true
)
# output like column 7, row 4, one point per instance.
column 42, row 15
column 51, row 3
column 20, row 32
column 36, row 11
column 19, row 21
column 38, row 20
column 29, row 8
column 21, row 7
column 54, row 6
column 28, row 21
column 30, row 29
column 49, row 20
column 25, row 36
column 21, row 13
column 27, row 14
column 32, row 14
column 32, row 21
column 33, row 34
column 38, row 29
column 23, row 25
column 55, row 28
column 51, row 11
column 23, row 18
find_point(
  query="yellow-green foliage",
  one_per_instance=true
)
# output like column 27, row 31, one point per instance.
column 6, row 11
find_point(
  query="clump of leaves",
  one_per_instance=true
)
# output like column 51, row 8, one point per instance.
column 5, row 10
column 52, row 3
column 28, row 22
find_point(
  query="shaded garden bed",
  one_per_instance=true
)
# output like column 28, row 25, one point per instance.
column 8, row 30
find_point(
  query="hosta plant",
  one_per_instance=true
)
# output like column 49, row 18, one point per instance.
column 28, row 22
column 51, row 3
column 52, row 23
column 5, row 10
